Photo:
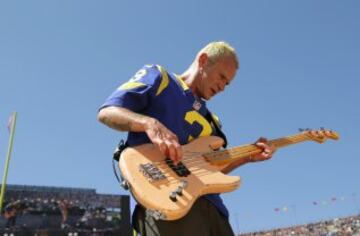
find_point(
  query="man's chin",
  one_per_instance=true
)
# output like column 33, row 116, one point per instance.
column 207, row 98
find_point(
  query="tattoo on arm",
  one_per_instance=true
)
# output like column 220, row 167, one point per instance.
column 122, row 119
column 113, row 123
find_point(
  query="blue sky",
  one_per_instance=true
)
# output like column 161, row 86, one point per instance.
column 300, row 68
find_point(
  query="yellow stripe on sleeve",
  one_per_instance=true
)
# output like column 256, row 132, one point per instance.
column 131, row 85
column 164, row 80
column 181, row 82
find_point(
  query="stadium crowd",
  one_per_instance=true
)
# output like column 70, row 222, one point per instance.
column 348, row 226
column 84, row 212
column 64, row 209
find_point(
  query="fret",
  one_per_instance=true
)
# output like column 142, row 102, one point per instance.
column 227, row 156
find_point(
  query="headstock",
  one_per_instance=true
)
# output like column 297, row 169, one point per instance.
column 320, row 135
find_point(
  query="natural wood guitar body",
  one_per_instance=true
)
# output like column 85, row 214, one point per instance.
column 168, row 192
column 204, row 178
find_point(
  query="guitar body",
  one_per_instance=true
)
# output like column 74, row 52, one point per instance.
column 153, row 182
column 168, row 192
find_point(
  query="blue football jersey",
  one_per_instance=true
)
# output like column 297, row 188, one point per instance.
column 154, row 92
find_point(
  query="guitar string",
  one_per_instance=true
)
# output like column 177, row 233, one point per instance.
column 172, row 179
column 244, row 151
column 198, row 173
column 198, row 154
column 195, row 157
column 171, row 176
column 189, row 164
column 200, row 164
column 233, row 151
column 191, row 160
column 216, row 155
column 168, row 172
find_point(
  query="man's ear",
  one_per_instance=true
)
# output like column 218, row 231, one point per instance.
column 203, row 59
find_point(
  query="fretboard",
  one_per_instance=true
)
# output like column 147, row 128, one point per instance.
column 227, row 156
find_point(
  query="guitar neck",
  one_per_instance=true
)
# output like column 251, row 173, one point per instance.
column 230, row 155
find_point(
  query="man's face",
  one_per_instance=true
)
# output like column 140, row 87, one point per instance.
column 215, row 77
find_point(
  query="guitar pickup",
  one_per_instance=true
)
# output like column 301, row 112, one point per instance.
column 180, row 169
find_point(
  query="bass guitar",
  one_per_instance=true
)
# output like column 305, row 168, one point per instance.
column 168, row 191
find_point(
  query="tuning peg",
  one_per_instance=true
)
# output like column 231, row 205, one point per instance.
column 306, row 129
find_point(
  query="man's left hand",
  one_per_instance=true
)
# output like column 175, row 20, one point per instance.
column 267, row 150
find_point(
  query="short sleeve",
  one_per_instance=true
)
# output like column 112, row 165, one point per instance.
column 136, row 93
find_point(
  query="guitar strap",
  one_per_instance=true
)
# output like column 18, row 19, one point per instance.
column 210, row 118
column 119, row 148
column 116, row 157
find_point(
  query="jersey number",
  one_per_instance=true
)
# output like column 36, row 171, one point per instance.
column 194, row 116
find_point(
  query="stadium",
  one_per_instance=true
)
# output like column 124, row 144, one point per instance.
column 45, row 210
column 232, row 117
column 42, row 210
column 349, row 226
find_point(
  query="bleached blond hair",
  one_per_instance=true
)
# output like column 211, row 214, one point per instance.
column 220, row 49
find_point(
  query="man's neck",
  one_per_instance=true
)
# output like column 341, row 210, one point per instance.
column 189, row 77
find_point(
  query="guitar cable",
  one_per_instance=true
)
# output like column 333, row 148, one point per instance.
column 116, row 157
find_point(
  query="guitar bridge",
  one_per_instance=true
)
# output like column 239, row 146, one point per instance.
column 180, row 169
column 151, row 172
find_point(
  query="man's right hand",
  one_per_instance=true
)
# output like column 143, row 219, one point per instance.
column 164, row 139
column 123, row 119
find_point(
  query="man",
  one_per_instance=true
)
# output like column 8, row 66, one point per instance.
column 11, row 212
column 64, row 206
column 169, row 110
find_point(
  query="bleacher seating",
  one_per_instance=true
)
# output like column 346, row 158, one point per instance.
column 60, row 209
column 347, row 226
